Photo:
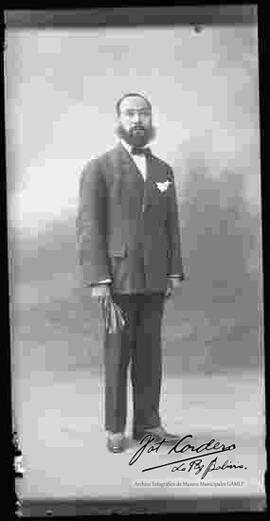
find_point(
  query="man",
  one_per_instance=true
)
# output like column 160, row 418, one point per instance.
column 129, row 248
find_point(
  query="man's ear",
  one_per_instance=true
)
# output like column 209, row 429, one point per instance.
column 116, row 123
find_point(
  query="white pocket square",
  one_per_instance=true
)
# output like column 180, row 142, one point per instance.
column 163, row 186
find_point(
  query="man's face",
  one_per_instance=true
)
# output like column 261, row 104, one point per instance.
column 135, row 121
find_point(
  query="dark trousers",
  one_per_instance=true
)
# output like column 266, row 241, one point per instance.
column 139, row 343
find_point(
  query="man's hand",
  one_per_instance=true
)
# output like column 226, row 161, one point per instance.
column 172, row 285
column 101, row 291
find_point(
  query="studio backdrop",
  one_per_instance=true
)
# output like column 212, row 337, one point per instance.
column 61, row 86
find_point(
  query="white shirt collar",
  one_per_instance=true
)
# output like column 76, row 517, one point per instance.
column 127, row 146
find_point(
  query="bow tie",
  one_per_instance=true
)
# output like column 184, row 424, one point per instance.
column 139, row 151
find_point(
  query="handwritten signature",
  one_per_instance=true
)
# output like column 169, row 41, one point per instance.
column 195, row 463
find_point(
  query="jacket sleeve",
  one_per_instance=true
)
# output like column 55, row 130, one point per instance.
column 91, row 225
column 175, row 263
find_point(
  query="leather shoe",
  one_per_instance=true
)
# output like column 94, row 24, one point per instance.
column 116, row 442
column 159, row 433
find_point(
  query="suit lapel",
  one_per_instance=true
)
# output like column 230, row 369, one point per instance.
column 131, row 173
column 146, row 188
column 130, row 179
column 128, row 166
column 156, row 173
column 150, row 191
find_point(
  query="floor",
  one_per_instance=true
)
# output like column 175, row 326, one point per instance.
column 64, row 446
column 213, row 388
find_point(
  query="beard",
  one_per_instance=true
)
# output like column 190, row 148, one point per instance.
column 137, row 136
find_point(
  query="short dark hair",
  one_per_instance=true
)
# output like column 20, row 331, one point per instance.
column 131, row 94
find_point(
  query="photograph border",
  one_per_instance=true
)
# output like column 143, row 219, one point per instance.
column 196, row 16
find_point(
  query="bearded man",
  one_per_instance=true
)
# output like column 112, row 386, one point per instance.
column 129, row 248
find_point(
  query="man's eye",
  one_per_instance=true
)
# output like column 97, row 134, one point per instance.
column 131, row 113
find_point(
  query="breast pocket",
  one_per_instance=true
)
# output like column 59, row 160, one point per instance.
column 157, row 209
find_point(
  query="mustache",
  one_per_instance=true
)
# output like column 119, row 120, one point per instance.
column 137, row 127
column 148, row 133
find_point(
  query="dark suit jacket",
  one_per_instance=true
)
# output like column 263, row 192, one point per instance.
column 128, row 229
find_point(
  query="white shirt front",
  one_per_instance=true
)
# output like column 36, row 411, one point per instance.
column 139, row 160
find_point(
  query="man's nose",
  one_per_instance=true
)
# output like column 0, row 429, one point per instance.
column 136, row 117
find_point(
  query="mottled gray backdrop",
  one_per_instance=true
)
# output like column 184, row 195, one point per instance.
column 61, row 88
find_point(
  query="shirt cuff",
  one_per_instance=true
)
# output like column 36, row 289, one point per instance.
column 105, row 281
